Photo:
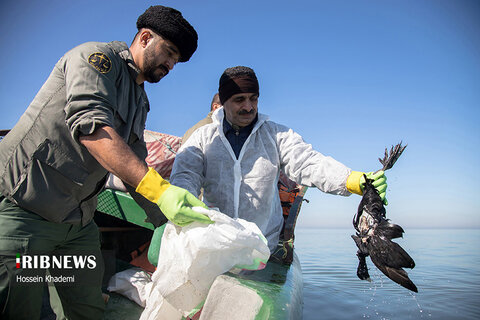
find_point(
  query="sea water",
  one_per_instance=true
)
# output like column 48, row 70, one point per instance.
column 447, row 275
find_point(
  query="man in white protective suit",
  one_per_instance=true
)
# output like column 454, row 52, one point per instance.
column 238, row 157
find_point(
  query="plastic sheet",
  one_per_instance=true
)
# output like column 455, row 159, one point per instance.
column 192, row 257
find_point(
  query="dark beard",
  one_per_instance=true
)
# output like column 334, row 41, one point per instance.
column 150, row 69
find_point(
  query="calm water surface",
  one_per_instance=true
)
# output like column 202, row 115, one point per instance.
column 447, row 275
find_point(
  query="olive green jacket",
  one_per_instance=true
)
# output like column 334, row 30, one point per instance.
column 201, row 123
column 43, row 167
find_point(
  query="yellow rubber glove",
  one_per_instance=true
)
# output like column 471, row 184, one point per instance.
column 176, row 203
column 356, row 183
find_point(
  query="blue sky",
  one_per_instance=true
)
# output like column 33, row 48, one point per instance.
column 352, row 77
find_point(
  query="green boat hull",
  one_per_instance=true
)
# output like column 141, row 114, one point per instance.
column 277, row 290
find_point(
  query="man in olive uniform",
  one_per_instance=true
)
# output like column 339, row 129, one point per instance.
column 86, row 120
column 214, row 105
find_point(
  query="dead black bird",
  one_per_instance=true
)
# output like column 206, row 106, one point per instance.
column 375, row 232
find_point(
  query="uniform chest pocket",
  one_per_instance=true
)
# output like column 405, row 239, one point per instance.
column 52, row 185
column 53, row 156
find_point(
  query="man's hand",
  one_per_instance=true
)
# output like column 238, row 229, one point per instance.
column 176, row 203
column 356, row 183
column 180, row 202
column 379, row 182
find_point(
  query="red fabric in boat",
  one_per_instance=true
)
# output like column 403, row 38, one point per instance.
column 162, row 149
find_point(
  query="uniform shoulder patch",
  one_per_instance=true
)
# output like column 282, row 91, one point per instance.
column 100, row 61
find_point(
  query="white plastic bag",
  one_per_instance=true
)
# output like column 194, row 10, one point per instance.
column 133, row 283
column 192, row 257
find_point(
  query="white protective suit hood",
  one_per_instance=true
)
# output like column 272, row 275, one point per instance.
column 247, row 187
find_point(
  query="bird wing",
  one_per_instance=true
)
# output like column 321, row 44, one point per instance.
column 389, row 258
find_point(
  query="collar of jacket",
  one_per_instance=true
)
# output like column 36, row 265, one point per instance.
column 227, row 126
column 125, row 54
